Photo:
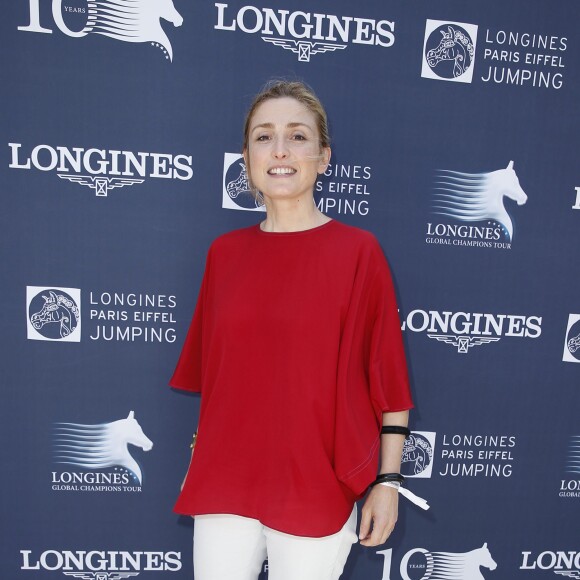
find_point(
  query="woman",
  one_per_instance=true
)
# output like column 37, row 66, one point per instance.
column 295, row 345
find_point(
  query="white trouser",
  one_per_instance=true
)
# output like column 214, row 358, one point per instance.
column 229, row 547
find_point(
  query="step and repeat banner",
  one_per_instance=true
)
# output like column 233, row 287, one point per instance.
column 456, row 141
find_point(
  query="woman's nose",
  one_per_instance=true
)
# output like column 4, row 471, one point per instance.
column 280, row 149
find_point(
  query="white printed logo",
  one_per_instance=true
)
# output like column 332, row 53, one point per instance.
column 418, row 452
column 100, row 169
column 450, row 566
column 94, row 447
column 236, row 192
column 101, row 575
column 577, row 203
column 126, row 20
column 573, row 465
column 311, row 33
column 449, row 51
column 477, row 197
column 303, row 48
column 101, row 564
column 572, row 341
column 53, row 313
column 465, row 330
column 440, row 565
column 100, row 185
column 565, row 564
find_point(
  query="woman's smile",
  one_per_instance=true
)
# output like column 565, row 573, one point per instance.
column 281, row 170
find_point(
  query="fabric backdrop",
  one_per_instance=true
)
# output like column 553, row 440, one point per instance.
column 455, row 133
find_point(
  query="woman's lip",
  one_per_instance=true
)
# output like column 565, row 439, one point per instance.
column 281, row 170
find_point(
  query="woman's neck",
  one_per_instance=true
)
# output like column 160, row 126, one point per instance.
column 292, row 216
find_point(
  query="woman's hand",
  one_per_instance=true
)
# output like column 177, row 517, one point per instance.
column 380, row 511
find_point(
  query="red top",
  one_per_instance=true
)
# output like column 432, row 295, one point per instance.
column 295, row 345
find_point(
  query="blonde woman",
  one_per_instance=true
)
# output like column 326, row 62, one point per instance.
column 295, row 346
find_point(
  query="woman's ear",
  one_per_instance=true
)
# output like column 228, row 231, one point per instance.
column 324, row 159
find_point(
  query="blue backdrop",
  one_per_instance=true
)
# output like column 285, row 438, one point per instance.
column 455, row 141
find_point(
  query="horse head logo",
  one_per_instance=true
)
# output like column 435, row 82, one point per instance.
column 417, row 454
column 480, row 557
column 100, row 446
column 572, row 348
column 240, row 184
column 574, row 343
column 58, row 309
column 471, row 197
column 451, row 566
column 133, row 21
column 237, row 191
column 455, row 46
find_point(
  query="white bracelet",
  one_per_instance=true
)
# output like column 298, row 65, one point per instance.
column 418, row 501
column 394, row 484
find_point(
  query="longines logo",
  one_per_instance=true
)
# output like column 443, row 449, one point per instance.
column 460, row 199
column 125, row 20
column 477, row 456
column 512, row 57
column 449, row 51
column 440, row 565
column 100, row 564
column 464, row 330
column 101, row 169
column 98, row 456
column 509, row 57
column 54, row 313
column 565, row 564
column 310, row 33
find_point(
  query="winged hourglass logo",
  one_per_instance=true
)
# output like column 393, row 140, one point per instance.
column 100, row 185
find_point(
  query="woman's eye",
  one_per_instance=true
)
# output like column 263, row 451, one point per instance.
column 263, row 138
column 299, row 137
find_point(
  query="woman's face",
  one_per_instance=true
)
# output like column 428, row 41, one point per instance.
column 284, row 156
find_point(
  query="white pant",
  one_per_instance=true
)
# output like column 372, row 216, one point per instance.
column 229, row 547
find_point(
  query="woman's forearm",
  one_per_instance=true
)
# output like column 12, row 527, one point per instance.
column 392, row 444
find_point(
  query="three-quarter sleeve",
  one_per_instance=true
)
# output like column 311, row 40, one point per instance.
column 387, row 367
column 372, row 377
column 188, row 372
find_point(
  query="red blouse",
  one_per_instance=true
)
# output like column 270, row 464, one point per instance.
column 295, row 345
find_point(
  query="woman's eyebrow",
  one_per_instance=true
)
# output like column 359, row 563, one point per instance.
column 291, row 125
column 298, row 124
column 263, row 126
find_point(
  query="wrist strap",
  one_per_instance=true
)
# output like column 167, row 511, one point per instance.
column 388, row 477
column 418, row 501
column 396, row 430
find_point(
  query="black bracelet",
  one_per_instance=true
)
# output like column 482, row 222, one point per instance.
column 386, row 477
column 396, row 430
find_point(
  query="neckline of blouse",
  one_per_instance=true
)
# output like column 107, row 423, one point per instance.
column 295, row 233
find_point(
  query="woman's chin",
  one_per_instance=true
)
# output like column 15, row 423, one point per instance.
column 284, row 194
